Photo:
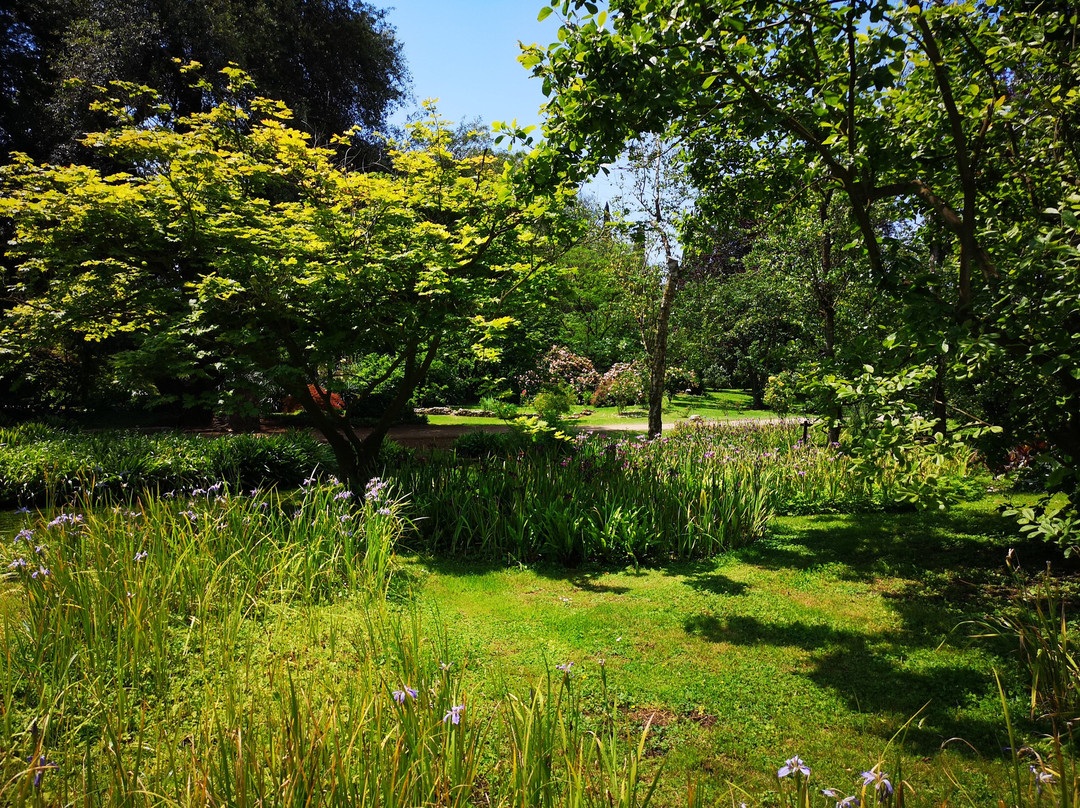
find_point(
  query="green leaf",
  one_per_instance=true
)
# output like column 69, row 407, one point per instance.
column 545, row 12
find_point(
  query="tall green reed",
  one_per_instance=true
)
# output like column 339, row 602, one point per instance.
column 103, row 606
column 618, row 500
column 699, row 491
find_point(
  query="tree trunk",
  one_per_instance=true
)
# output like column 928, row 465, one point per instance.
column 826, row 295
column 355, row 457
column 659, row 358
column 835, row 410
column 941, row 425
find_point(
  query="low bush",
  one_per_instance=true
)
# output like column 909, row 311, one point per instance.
column 552, row 404
column 482, row 443
column 624, row 384
column 41, row 464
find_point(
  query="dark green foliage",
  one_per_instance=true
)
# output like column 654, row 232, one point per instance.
column 40, row 464
column 483, row 443
column 335, row 62
column 948, row 130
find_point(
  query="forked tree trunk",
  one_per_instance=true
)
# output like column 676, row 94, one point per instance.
column 659, row 358
column 356, row 457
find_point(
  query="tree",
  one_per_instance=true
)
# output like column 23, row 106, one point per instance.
column 658, row 196
column 234, row 241
column 956, row 116
column 336, row 63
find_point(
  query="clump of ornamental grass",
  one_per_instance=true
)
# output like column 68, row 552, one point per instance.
column 819, row 477
column 120, row 595
column 371, row 710
column 615, row 501
column 699, row 491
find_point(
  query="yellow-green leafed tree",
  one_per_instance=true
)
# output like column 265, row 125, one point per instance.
column 231, row 245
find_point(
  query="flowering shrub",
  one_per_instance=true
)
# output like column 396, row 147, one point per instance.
column 625, row 384
column 780, row 392
column 560, row 368
column 677, row 379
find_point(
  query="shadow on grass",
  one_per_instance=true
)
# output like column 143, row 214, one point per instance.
column 952, row 564
column 587, row 578
column 867, row 671
column 935, row 570
column 705, row 578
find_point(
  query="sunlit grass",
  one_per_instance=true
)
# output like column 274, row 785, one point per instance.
column 823, row 640
column 223, row 665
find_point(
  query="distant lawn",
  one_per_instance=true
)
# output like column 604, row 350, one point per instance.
column 715, row 404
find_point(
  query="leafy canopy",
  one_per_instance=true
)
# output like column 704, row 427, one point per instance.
column 233, row 245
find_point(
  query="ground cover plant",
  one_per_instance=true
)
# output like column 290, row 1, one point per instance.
column 40, row 464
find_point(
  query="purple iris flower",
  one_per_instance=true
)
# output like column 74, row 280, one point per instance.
column 565, row 667
column 1042, row 778
column 453, row 715
column 793, row 766
column 40, row 768
column 401, row 695
column 880, row 781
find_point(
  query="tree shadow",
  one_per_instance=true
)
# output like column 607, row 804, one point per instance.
column 588, row 581
column 943, row 569
column 956, row 559
column 865, row 671
column 716, row 583
column 587, row 578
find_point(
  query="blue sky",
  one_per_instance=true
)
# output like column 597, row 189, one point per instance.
column 464, row 52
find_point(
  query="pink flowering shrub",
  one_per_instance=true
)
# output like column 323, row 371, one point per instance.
column 560, row 368
column 626, row 383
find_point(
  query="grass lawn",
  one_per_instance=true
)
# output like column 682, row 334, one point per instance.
column 821, row 640
column 715, row 404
